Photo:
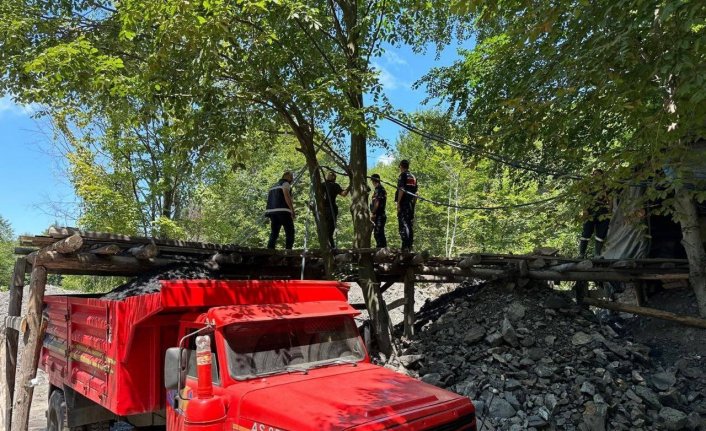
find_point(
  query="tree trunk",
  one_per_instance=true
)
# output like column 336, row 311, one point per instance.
column 320, row 207
column 362, row 228
column 687, row 216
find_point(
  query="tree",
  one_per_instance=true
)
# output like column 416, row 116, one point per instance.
column 576, row 85
column 7, row 254
column 228, row 68
column 448, row 177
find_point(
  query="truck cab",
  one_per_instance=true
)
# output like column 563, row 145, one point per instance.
column 285, row 357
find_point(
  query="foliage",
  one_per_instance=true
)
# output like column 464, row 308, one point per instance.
column 575, row 85
column 90, row 284
column 7, row 258
column 446, row 176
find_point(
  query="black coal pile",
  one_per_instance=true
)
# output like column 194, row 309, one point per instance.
column 150, row 282
column 532, row 359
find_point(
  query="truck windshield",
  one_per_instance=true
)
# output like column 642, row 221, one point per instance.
column 287, row 345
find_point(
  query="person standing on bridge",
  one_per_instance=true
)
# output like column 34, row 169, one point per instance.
column 331, row 191
column 280, row 211
column 406, row 201
column 597, row 217
column 377, row 211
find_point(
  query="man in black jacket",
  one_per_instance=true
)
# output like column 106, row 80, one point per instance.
column 377, row 211
column 332, row 190
column 280, row 210
column 406, row 201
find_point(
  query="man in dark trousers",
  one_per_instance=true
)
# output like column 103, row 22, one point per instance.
column 332, row 190
column 406, row 184
column 377, row 211
column 597, row 218
column 280, row 210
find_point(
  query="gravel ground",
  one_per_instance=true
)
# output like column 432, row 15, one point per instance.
column 37, row 419
column 531, row 359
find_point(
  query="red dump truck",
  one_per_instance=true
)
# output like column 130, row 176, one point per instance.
column 213, row 355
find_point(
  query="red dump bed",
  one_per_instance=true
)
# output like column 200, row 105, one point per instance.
column 112, row 351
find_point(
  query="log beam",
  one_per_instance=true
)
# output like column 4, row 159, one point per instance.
column 145, row 252
column 31, row 346
column 645, row 311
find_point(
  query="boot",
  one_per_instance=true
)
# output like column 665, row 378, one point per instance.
column 583, row 246
column 598, row 249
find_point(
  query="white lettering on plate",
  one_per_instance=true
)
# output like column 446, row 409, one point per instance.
column 262, row 427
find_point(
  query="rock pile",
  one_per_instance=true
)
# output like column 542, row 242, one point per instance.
column 150, row 282
column 533, row 360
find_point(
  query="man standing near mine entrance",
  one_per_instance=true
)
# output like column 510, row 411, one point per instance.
column 377, row 211
column 406, row 184
column 596, row 217
column 332, row 190
column 280, row 210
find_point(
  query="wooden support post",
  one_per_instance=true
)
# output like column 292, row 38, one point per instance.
column 14, row 309
column 31, row 346
column 649, row 312
column 409, row 302
column 581, row 291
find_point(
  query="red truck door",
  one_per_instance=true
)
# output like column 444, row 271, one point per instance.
column 176, row 405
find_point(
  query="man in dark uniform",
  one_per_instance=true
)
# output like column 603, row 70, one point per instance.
column 406, row 184
column 596, row 218
column 377, row 211
column 280, row 210
column 332, row 190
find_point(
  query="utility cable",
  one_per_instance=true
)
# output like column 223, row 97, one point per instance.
column 467, row 149
column 463, row 207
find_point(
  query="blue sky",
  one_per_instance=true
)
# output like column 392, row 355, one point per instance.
column 33, row 186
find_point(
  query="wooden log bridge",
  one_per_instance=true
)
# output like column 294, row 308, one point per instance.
column 72, row 251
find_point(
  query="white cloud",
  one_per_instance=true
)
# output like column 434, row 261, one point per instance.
column 387, row 79
column 9, row 106
column 393, row 58
column 385, row 159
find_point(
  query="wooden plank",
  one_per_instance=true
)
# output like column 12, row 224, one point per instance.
column 386, row 285
column 106, row 250
column 645, row 311
column 602, row 276
column 397, row 303
column 24, row 250
column 14, row 309
column 31, row 343
column 584, row 265
column 409, row 303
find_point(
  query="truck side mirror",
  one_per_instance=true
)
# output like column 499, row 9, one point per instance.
column 175, row 363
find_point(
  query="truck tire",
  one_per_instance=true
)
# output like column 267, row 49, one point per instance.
column 56, row 413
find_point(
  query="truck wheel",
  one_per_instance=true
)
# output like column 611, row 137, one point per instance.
column 56, row 414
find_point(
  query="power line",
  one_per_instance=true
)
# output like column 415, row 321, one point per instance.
column 467, row 149
column 462, row 207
